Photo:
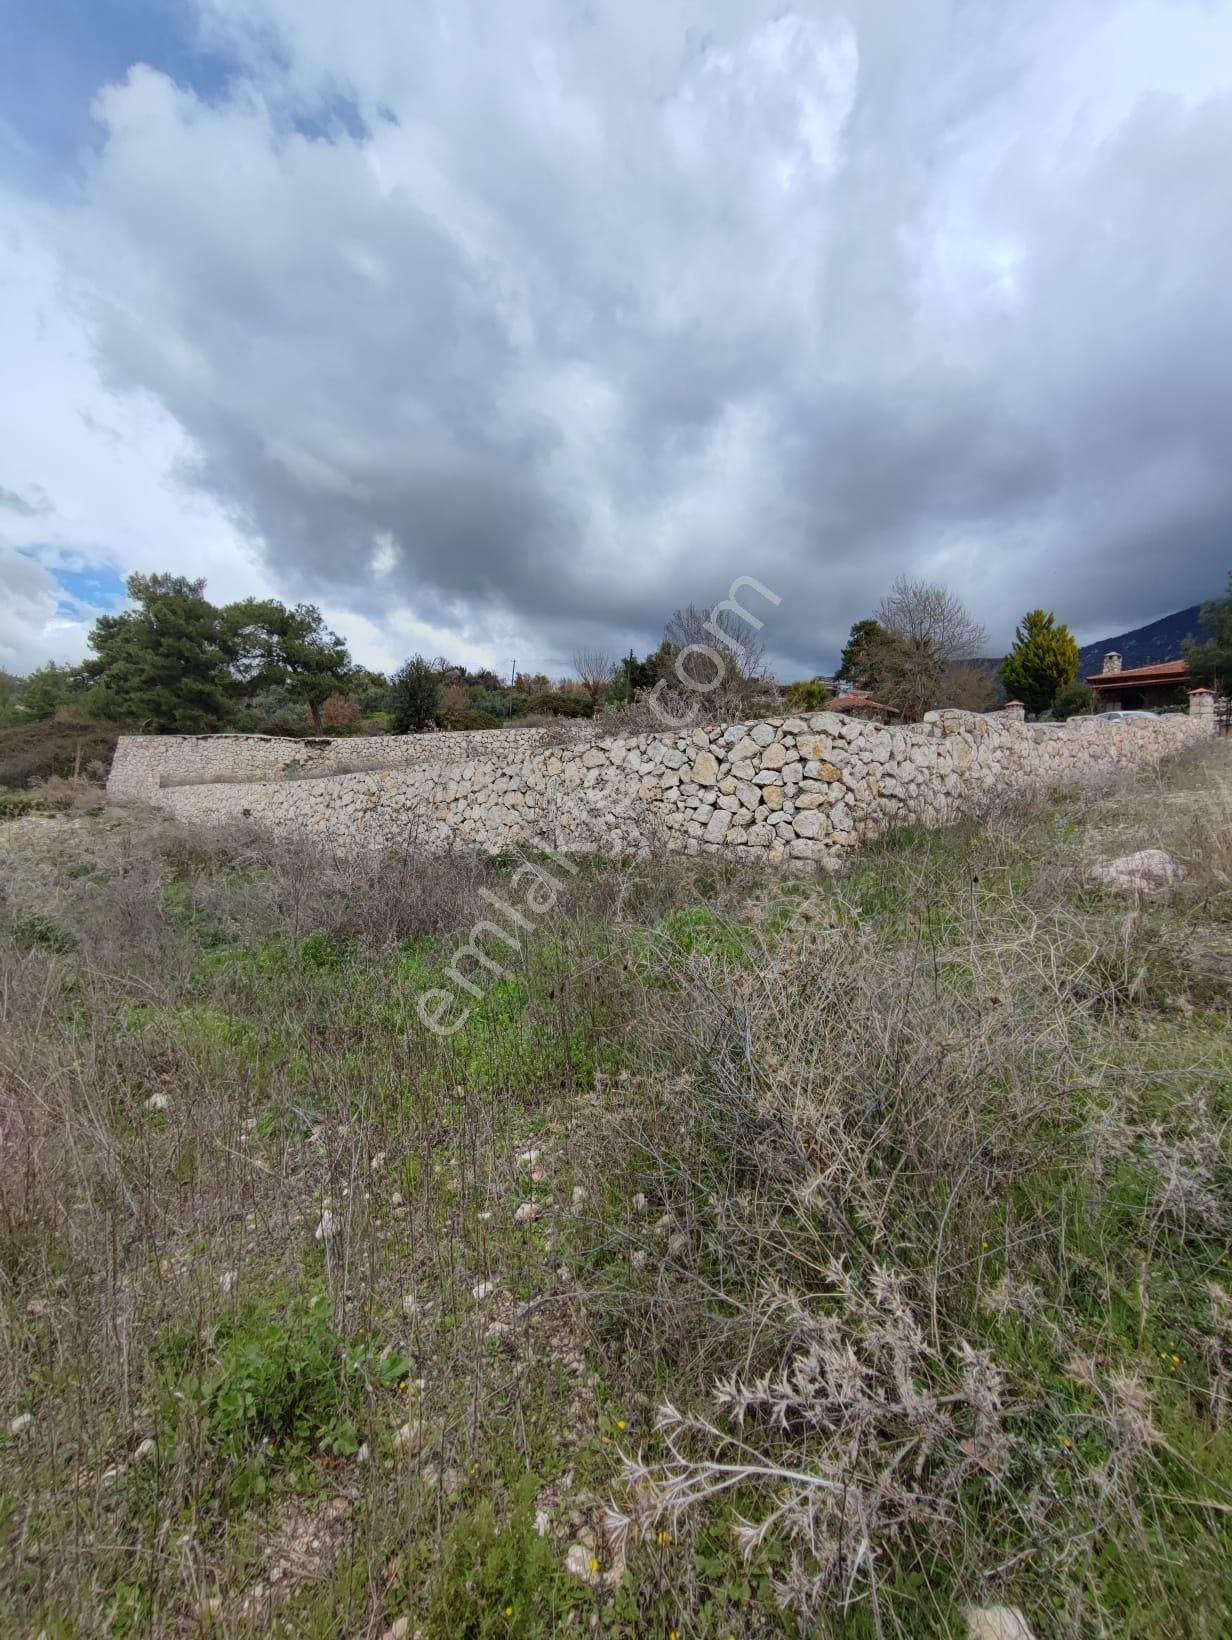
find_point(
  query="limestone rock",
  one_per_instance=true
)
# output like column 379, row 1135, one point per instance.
column 716, row 830
column 1149, row 871
column 996, row 1623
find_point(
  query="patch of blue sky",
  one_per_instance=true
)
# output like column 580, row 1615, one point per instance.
column 55, row 55
column 85, row 590
column 333, row 115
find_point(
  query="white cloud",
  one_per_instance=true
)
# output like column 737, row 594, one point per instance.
column 28, row 607
column 611, row 305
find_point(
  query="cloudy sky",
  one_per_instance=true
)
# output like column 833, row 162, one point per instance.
column 498, row 329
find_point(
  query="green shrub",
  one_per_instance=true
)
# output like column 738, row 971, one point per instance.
column 15, row 804
column 37, row 930
column 319, row 951
column 1076, row 699
column 560, row 703
column 697, row 930
column 279, row 1379
column 496, row 1579
column 274, row 1385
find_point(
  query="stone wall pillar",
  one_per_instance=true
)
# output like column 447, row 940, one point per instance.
column 1202, row 707
column 1015, row 711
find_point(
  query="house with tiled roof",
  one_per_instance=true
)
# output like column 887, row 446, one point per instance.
column 1139, row 688
column 859, row 703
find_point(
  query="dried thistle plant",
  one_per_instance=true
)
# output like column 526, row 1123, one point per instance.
column 862, row 1432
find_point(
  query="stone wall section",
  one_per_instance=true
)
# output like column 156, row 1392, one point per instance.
column 799, row 788
column 144, row 764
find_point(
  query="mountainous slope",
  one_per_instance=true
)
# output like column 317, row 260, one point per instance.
column 1159, row 640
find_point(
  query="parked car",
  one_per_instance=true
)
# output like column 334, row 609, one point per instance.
column 1116, row 716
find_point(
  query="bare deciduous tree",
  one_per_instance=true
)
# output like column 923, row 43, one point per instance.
column 969, row 686
column 721, row 631
column 929, row 640
column 453, row 707
column 595, row 670
column 712, row 669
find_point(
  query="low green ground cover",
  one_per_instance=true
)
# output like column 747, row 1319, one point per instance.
column 762, row 1255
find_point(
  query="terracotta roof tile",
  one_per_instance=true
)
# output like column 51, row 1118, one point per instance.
column 1160, row 672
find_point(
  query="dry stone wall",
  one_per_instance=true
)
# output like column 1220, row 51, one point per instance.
column 144, row 764
column 800, row 788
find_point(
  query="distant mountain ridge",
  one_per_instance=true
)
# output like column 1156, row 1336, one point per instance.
column 1161, row 640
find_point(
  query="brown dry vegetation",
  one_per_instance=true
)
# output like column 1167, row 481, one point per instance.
column 766, row 1254
column 56, row 747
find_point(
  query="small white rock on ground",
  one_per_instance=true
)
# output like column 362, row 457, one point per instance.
column 1149, row 871
column 997, row 1623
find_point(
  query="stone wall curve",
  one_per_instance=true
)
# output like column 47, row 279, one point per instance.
column 802, row 788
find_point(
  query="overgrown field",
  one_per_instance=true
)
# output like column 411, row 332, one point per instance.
column 764, row 1255
column 52, row 750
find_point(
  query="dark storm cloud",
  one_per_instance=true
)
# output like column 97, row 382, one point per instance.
column 589, row 313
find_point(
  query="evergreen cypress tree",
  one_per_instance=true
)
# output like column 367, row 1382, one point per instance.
column 1043, row 661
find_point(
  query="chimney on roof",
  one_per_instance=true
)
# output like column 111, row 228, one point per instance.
column 1112, row 662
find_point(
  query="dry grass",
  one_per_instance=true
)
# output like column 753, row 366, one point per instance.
column 846, row 1251
column 62, row 748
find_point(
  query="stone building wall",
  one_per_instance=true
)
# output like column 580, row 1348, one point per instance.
column 804, row 788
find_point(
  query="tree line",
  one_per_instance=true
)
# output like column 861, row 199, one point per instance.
column 923, row 650
column 177, row 663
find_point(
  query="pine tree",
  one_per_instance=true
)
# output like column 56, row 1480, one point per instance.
column 163, row 667
column 1043, row 661
column 47, row 688
column 292, row 649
